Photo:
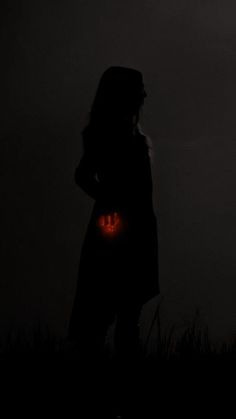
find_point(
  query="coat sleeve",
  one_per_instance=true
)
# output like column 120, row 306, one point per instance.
column 85, row 175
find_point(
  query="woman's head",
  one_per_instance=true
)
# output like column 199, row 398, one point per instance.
column 119, row 96
column 116, row 106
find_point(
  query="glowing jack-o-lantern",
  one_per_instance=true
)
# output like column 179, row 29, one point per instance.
column 110, row 225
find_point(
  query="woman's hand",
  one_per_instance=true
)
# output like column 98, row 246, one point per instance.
column 110, row 224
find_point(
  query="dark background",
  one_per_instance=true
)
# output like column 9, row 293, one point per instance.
column 52, row 56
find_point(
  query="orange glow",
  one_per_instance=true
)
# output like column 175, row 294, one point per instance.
column 110, row 224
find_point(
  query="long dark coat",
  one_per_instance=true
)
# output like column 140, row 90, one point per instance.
column 121, row 268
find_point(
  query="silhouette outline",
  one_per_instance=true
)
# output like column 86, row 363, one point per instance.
column 118, row 268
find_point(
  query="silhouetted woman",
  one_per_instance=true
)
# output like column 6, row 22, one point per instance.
column 118, row 269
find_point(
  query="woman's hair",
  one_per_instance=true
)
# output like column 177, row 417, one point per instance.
column 119, row 97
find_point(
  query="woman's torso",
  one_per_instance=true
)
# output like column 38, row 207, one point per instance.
column 124, row 173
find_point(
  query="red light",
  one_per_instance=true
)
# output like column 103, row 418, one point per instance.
column 110, row 224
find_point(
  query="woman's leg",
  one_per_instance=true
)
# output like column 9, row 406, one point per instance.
column 126, row 339
column 127, row 356
column 88, row 327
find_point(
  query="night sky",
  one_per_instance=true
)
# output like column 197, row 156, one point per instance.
column 52, row 56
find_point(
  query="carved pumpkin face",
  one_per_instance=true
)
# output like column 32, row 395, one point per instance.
column 110, row 225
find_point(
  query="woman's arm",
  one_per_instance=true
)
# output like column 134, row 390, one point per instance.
column 85, row 176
